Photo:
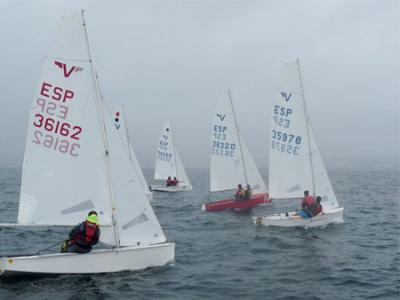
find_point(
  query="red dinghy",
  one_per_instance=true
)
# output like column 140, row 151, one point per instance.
column 230, row 203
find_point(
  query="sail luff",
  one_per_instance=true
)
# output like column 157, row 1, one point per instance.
column 100, row 110
column 307, row 127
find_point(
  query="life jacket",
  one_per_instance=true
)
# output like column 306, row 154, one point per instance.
column 87, row 234
column 307, row 201
column 314, row 209
column 247, row 194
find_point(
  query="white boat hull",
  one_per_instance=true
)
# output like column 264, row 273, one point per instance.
column 171, row 189
column 97, row 261
column 291, row 219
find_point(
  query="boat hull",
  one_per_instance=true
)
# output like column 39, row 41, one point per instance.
column 291, row 219
column 96, row 261
column 231, row 203
column 171, row 189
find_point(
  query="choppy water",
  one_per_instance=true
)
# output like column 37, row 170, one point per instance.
column 224, row 256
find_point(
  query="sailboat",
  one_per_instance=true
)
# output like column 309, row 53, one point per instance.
column 122, row 128
column 295, row 162
column 169, row 164
column 231, row 162
column 73, row 163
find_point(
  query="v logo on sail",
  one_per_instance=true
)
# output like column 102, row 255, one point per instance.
column 286, row 96
column 165, row 137
column 221, row 117
column 63, row 66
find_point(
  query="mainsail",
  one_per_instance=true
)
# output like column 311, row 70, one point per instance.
column 73, row 162
column 168, row 162
column 231, row 163
column 295, row 163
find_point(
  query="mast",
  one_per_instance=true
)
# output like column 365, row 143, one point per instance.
column 238, row 135
column 103, row 136
column 307, row 128
column 127, row 131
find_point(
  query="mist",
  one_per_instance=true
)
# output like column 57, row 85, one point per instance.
column 172, row 60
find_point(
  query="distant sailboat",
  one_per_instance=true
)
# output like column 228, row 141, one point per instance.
column 295, row 163
column 169, row 164
column 122, row 128
column 231, row 162
column 74, row 163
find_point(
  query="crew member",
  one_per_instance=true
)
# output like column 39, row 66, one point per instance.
column 83, row 236
column 315, row 208
column 175, row 181
column 305, row 204
column 239, row 193
column 169, row 181
column 247, row 192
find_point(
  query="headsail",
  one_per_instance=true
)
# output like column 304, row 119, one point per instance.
column 231, row 162
column 121, row 126
column 295, row 163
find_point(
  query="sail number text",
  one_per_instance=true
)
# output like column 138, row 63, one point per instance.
column 62, row 128
column 164, row 156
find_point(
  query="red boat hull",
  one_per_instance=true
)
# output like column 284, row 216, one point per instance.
column 237, row 205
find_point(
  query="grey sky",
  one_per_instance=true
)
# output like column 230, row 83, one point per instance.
column 173, row 59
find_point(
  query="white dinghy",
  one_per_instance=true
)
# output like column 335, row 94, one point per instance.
column 231, row 162
column 121, row 126
column 169, row 164
column 73, row 164
column 295, row 163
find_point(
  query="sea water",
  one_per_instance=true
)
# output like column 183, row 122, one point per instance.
column 222, row 255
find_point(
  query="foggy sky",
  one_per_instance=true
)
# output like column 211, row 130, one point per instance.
column 172, row 60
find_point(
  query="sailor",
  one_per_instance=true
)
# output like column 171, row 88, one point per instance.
column 239, row 193
column 175, row 181
column 169, row 181
column 83, row 236
column 315, row 208
column 247, row 192
column 305, row 204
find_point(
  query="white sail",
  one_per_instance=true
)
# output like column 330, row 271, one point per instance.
column 63, row 171
column 231, row 163
column 180, row 171
column 323, row 185
column 253, row 175
column 121, row 126
column 289, row 153
column 137, row 223
column 168, row 162
column 295, row 163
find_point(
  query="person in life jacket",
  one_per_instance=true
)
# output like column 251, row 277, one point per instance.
column 83, row 236
column 169, row 181
column 239, row 193
column 175, row 181
column 305, row 204
column 315, row 208
column 247, row 192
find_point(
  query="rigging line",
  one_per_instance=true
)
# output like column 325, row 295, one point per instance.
column 100, row 111
column 239, row 139
column 307, row 128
